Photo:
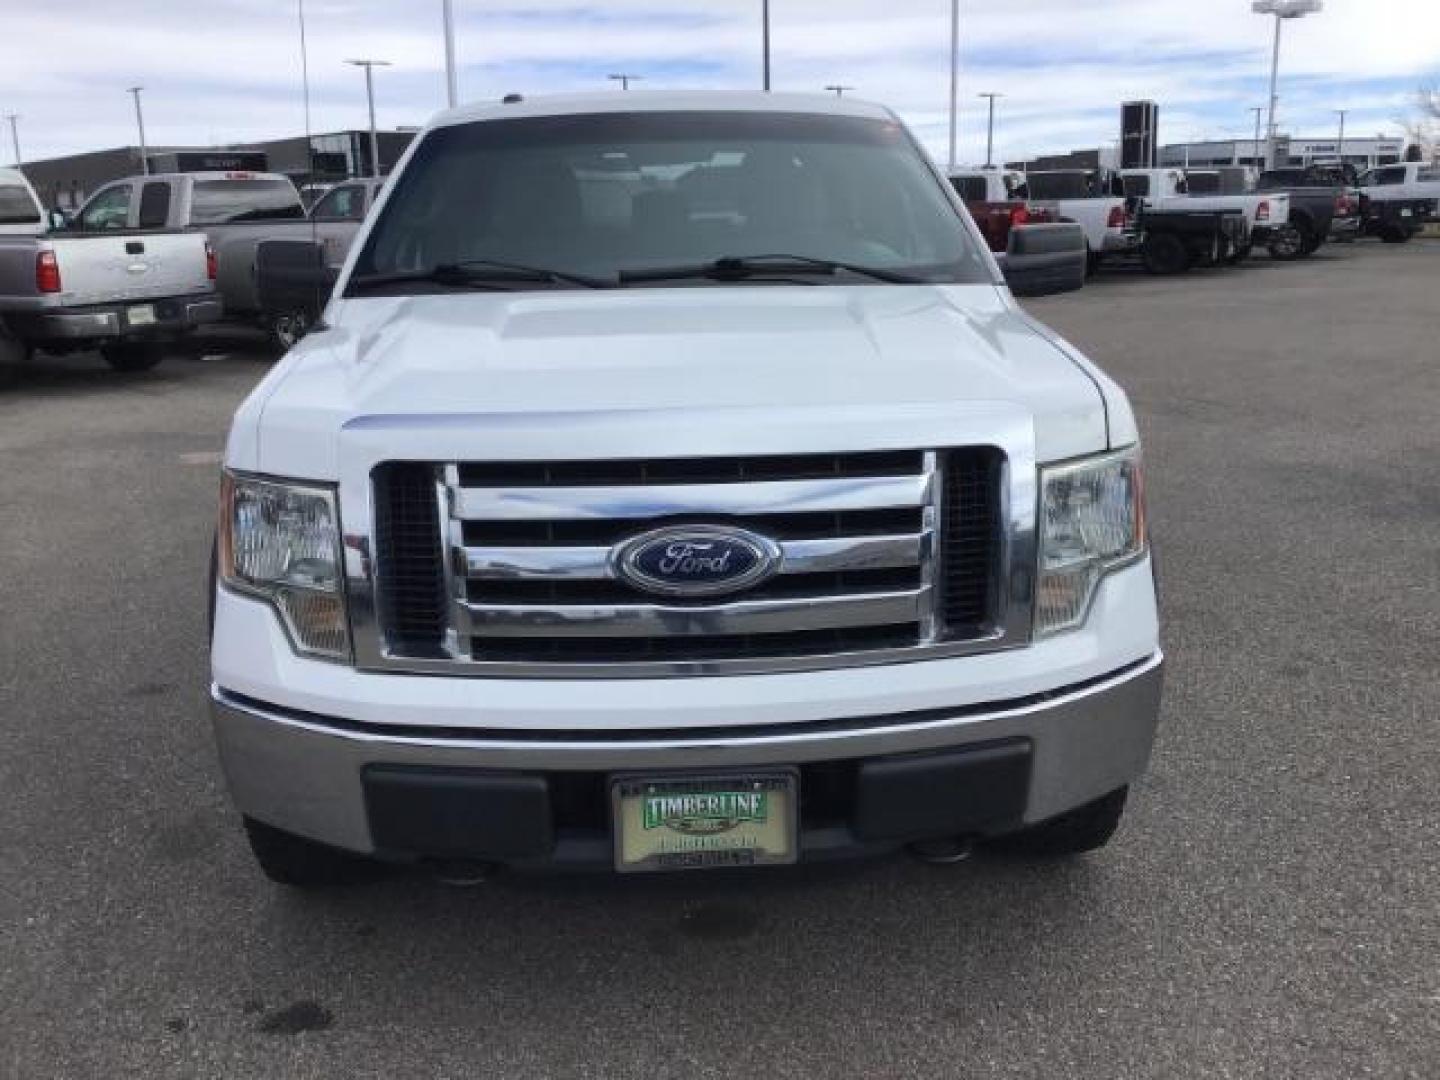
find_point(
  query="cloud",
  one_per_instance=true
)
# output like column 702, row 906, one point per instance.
column 229, row 70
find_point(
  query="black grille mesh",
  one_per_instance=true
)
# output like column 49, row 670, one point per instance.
column 411, row 581
column 970, row 536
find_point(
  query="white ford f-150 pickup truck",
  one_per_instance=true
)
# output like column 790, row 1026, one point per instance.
column 62, row 291
column 673, row 483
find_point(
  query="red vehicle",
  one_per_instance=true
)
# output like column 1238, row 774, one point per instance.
column 991, row 197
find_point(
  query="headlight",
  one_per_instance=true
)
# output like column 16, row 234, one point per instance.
column 1092, row 520
column 281, row 541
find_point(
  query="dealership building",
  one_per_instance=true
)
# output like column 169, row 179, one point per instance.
column 1361, row 151
column 65, row 182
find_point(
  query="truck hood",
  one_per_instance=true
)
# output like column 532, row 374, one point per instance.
column 668, row 372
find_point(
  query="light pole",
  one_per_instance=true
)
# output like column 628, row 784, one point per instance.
column 765, row 41
column 1339, row 142
column 14, row 119
column 990, row 129
column 954, row 73
column 369, row 66
column 452, row 86
column 838, row 89
column 134, row 92
column 625, row 79
column 1258, row 110
column 1282, row 10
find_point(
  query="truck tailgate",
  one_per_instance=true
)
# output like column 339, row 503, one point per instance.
column 98, row 269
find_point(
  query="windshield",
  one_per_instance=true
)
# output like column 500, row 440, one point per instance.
column 604, row 194
column 215, row 202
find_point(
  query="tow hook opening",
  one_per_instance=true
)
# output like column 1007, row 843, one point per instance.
column 462, row 873
column 943, row 852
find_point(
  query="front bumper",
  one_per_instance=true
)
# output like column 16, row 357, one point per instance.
column 114, row 321
column 319, row 776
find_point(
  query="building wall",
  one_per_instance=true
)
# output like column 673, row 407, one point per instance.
column 67, row 181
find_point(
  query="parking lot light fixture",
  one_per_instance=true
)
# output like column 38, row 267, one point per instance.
column 838, row 89
column 1282, row 10
column 954, row 75
column 1340, row 139
column 369, row 66
column 14, row 119
column 134, row 91
column 624, row 79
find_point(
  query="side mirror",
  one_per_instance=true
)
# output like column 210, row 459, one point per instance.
column 57, row 220
column 291, row 277
column 1043, row 260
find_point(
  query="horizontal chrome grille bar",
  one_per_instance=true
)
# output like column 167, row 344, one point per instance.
column 593, row 563
column 653, row 620
column 766, row 497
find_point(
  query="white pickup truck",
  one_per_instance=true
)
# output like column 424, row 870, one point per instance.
column 1089, row 197
column 234, row 211
column 1267, row 215
column 1414, row 184
column 674, row 483
column 67, row 291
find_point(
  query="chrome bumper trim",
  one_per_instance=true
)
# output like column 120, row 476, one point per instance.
column 303, row 774
column 108, row 322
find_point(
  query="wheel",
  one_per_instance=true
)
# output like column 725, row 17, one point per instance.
column 1083, row 829
column 1092, row 260
column 286, row 328
column 1165, row 253
column 133, row 355
column 1288, row 242
column 292, row 860
column 1313, row 243
column 1240, row 254
column 1394, row 234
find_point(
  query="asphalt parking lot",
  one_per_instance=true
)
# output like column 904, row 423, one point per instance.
column 1270, row 908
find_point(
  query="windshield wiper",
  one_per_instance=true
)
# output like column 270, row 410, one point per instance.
column 477, row 274
column 740, row 267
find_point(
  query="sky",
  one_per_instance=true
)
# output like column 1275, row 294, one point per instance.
column 226, row 71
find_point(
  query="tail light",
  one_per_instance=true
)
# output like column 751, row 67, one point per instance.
column 1262, row 212
column 212, row 265
column 47, row 272
column 1116, row 220
column 1020, row 215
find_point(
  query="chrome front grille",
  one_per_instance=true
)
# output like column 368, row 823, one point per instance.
column 521, row 556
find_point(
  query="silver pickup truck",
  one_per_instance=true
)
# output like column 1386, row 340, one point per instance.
column 234, row 211
column 125, row 294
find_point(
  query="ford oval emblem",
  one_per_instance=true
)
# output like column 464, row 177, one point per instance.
column 695, row 560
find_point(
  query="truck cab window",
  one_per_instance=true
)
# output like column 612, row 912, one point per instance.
column 154, row 205
column 16, row 206
column 345, row 203
column 108, row 210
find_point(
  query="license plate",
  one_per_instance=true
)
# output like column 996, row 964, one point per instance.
column 144, row 315
column 704, row 822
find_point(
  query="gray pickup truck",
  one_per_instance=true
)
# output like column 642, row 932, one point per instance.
column 235, row 211
column 68, row 290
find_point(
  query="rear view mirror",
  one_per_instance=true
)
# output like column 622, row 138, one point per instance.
column 291, row 277
column 1043, row 260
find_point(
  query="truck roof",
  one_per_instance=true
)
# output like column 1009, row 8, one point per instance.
column 624, row 101
column 223, row 174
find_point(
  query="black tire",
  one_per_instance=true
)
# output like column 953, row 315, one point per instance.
column 14, row 358
column 292, row 860
column 1313, row 243
column 1092, row 261
column 1083, row 829
column 286, row 328
column 1289, row 242
column 1165, row 254
column 1393, row 234
column 131, row 356
column 1240, row 254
